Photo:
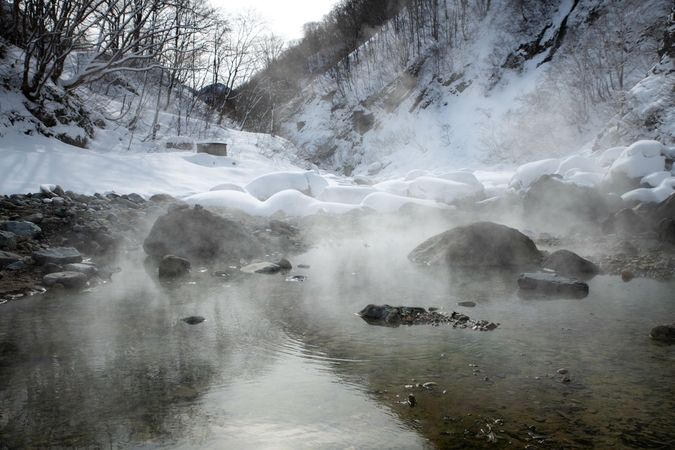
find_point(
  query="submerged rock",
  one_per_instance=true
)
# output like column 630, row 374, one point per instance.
column 198, row 234
column 552, row 284
column 568, row 263
column 172, row 266
column 482, row 244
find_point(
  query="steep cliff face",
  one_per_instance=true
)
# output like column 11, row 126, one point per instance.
column 514, row 82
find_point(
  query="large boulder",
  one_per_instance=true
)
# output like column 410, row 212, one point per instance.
column 199, row 235
column 482, row 244
column 569, row 263
column 552, row 284
column 551, row 202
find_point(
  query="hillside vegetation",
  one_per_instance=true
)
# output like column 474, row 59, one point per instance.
column 466, row 81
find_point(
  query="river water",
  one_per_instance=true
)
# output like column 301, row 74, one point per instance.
column 282, row 364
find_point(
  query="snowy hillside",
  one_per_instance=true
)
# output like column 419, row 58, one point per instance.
column 510, row 87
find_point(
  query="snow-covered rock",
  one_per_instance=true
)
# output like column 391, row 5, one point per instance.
column 529, row 173
column 267, row 185
column 441, row 190
column 351, row 195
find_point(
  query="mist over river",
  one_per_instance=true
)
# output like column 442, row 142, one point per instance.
column 285, row 364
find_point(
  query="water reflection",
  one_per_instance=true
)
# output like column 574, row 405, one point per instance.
column 281, row 364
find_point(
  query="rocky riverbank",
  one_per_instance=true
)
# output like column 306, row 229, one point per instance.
column 102, row 226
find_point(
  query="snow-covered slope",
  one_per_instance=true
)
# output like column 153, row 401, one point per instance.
column 507, row 89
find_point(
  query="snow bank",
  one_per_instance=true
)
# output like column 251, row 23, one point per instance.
column 394, row 187
column 640, row 159
column 657, row 194
column 269, row 184
column 383, row 202
column 351, row 195
column 228, row 187
column 610, row 155
column 529, row 173
column 438, row 189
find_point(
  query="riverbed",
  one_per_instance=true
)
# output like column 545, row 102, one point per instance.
column 288, row 364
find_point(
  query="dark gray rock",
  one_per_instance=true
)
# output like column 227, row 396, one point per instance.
column 87, row 269
column 51, row 268
column 552, row 284
column 35, row 218
column 21, row 228
column 154, row 211
column 172, row 266
column 199, row 235
column 482, row 244
column 177, row 206
column 67, row 279
column 390, row 314
column 568, row 263
column 59, row 255
column 281, row 227
column 667, row 230
column 136, row 198
column 662, row 210
column 552, row 203
column 625, row 220
column 664, row 333
column 8, row 258
column 194, row 320
column 16, row 265
column 261, row 267
column 284, row 264
column 8, row 239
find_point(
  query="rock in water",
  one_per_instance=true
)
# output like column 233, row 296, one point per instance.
column 389, row 314
column 664, row 333
column 482, row 244
column 261, row 267
column 199, row 235
column 194, row 320
column 552, row 284
column 568, row 263
column 172, row 266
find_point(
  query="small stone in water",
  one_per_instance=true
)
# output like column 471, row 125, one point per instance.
column 412, row 401
column 467, row 304
column 562, row 371
column 303, row 266
column 565, row 380
column 194, row 320
column 627, row 275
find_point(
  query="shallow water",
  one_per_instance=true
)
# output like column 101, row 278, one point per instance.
column 288, row 365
